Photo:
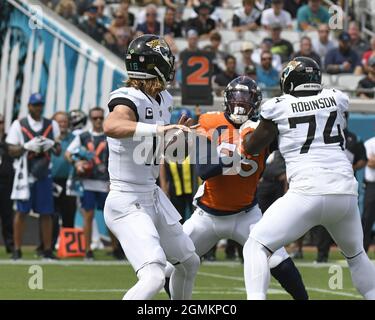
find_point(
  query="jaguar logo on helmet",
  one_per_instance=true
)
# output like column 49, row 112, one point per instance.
column 159, row 46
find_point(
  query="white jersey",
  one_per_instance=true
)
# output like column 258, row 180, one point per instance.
column 312, row 142
column 129, row 168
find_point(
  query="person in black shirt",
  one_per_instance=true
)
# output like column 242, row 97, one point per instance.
column 229, row 74
column 6, row 183
column 203, row 23
column 171, row 26
column 292, row 6
column 91, row 25
column 368, row 82
column 280, row 46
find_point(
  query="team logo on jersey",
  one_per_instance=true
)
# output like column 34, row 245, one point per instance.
column 149, row 113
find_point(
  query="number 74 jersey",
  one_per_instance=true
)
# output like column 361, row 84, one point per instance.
column 312, row 142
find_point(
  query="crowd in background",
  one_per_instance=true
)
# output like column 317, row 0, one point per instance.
column 114, row 25
column 66, row 171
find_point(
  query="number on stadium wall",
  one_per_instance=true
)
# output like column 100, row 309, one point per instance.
column 311, row 120
column 200, row 76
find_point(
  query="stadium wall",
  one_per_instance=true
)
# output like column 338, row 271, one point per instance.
column 41, row 52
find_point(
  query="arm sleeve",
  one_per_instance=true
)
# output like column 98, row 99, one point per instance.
column 120, row 97
column 269, row 110
column 235, row 21
column 360, row 153
column 56, row 129
column 342, row 100
column 14, row 134
column 76, row 143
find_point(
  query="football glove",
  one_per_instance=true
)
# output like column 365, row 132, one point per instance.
column 34, row 145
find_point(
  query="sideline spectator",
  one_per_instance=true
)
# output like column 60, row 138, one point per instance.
column 65, row 206
column 267, row 76
column 276, row 14
column 244, row 58
column 68, row 10
column 368, row 217
column 171, row 26
column 151, row 25
column 307, row 51
column 280, row 46
column 6, row 183
column 124, row 8
column 102, row 19
column 32, row 140
column 311, row 15
column 89, row 153
column 322, row 44
column 368, row 82
column 91, row 25
column 266, row 45
column 202, row 23
column 358, row 45
column 246, row 18
column 292, row 6
column 223, row 78
column 273, row 183
column 214, row 46
column 343, row 59
column 368, row 54
column 119, row 35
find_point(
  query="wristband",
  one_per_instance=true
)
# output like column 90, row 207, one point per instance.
column 145, row 130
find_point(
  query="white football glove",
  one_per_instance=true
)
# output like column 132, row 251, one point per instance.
column 34, row 145
column 47, row 144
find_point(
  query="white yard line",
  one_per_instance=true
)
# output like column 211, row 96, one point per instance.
column 332, row 292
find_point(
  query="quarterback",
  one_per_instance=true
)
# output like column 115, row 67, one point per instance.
column 226, row 201
column 137, row 211
column 309, row 123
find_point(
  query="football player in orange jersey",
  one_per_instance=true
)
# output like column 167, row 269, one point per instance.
column 226, row 201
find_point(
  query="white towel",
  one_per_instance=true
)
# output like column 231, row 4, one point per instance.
column 166, row 207
column 21, row 188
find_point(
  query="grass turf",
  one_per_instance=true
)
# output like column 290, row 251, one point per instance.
column 109, row 279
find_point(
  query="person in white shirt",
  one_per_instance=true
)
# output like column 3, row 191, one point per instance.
column 322, row 43
column 247, row 17
column 276, row 15
column 137, row 211
column 368, row 217
column 33, row 139
column 308, row 123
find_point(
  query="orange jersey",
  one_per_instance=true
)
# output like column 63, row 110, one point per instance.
column 229, row 193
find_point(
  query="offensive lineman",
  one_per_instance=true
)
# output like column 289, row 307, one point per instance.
column 226, row 201
column 137, row 212
column 309, row 123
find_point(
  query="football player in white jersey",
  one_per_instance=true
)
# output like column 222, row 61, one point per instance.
column 137, row 211
column 309, row 123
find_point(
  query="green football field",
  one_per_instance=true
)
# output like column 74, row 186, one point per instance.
column 109, row 279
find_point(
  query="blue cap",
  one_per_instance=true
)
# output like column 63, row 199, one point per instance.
column 36, row 98
column 344, row 36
